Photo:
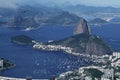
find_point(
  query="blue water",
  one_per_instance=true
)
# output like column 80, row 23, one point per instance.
column 42, row 64
column 38, row 64
column 110, row 33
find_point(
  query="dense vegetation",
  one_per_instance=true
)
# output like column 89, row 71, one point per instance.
column 83, row 43
column 22, row 39
column 95, row 73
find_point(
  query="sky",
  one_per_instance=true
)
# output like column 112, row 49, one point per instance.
column 15, row 3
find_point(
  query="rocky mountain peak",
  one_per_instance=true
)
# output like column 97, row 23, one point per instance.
column 82, row 27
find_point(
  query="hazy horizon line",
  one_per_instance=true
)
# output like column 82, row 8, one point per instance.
column 16, row 3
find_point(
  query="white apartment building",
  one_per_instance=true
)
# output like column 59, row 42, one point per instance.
column 116, row 54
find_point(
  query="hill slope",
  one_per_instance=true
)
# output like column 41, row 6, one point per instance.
column 98, row 21
column 85, row 44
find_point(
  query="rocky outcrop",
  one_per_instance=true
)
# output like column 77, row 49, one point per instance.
column 82, row 27
column 19, row 21
column 85, row 44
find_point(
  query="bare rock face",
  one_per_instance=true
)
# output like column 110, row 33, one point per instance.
column 85, row 43
column 82, row 28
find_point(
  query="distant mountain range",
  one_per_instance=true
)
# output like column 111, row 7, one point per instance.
column 19, row 21
column 35, row 16
column 65, row 19
column 88, row 11
column 115, row 20
column 97, row 21
column 91, row 9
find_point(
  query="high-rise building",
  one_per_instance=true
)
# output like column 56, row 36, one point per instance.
column 1, row 63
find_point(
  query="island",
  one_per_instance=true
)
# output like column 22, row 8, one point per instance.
column 22, row 39
column 6, row 64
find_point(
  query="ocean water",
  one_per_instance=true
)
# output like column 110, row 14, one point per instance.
column 42, row 64
column 35, row 63
column 110, row 34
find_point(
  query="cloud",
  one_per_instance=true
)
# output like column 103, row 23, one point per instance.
column 11, row 3
column 113, row 3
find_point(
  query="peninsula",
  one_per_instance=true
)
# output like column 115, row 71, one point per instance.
column 81, row 42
